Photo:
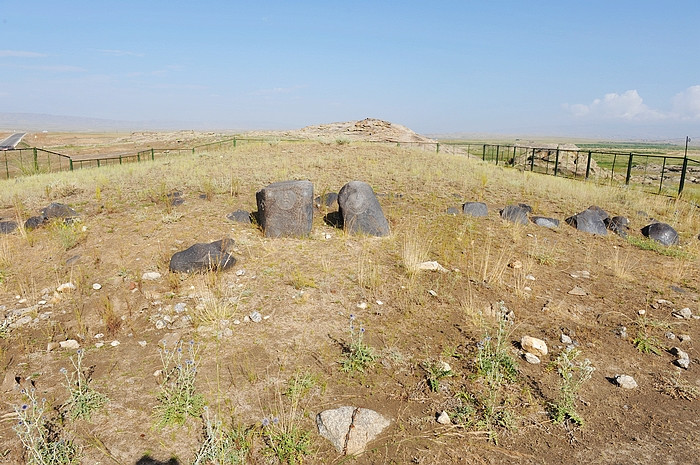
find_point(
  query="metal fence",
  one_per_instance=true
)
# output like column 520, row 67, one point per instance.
column 654, row 172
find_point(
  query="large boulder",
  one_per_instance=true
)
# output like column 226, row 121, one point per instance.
column 6, row 227
column 285, row 209
column 204, row 257
column 515, row 213
column 590, row 221
column 543, row 221
column 360, row 210
column 58, row 210
column 477, row 209
column 661, row 232
column 34, row 222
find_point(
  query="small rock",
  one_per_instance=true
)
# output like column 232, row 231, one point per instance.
column 66, row 287
column 683, row 363
column 379, row 302
column 157, row 373
column 623, row 332
column 236, row 322
column 97, row 286
column 534, row 346
column 256, row 317
column 684, row 337
column 350, row 429
column 180, row 307
column 683, row 360
column 69, row 344
column 52, row 346
column 625, row 381
column 99, row 336
column 516, row 265
column 444, row 366
column 664, row 302
column 580, row 274
column 684, row 313
column 240, row 272
column 227, row 332
column 114, row 343
column 530, row 278
column 99, row 344
column 432, row 292
column 246, row 319
column 577, row 291
column 444, row 418
column 432, row 266
column 532, row 358
column 160, row 324
column 361, row 305
column 669, row 335
column 565, row 339
column 142, row 343
column 151, row 276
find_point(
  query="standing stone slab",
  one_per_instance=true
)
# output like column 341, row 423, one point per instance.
column 661, row 232
column 286, row 209
column 477, row 209
column 350, row 429
column 515, row 214
column 360, row 210
column 590, row 221
column 203, row 257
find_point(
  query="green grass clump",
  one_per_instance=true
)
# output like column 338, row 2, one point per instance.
column 289, row 444
column 222, row 445
column 573, row 375
column 358, row 355
column 436, row 370
column 493, row 361
column 177, row 396
column 650, row 244
column 84, row 400
column 41, row 439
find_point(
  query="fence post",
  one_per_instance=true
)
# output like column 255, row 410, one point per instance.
column 36, row 161
column 234, row 142
column 98, row 162
column 7, row 167
column 513, row 164
column 153, row 156
column 629, row 170
column 120, row 159
column 483, row 154
column 138, row 157
column 588, row 164
column 663, row 168
column 532, row 160
column 437, row 147
column 556, row 163
column 498, row 149
column 685, row 167
column 70, row 164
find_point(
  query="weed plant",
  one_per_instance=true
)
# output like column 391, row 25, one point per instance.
column 436, row 370
column 40, row 438
column 222, row 445
column 289, row 443
column 644, row 342
column 669, row 251
column 177, row 396
column 574, row 374
column 358, row 355
column 676, row 387
column 83, row 400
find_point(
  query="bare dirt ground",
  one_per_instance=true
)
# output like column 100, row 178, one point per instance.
column 306, row 289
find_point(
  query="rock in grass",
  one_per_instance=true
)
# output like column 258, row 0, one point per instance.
column 203, row 257
column 534, row 346
column 625, row 381
column 34, row 222
column 683, row 360
column 6, row 227
column 477, row 209
column 444, row 418
column 590, row 220
column 532, row 358
column 285, row 209
column 515, row 214
column 350, row 429
column 661, row 232
column 240, row 216
column 453, row 211
column 543, row 221
column 360, row 210
column 618, row 225
column 58, row 210
column 327, row 200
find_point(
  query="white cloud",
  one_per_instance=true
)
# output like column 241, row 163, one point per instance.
column 21, row 54
column 686, row 104
column 628, row 106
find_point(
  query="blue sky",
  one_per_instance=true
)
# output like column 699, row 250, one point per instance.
column 571, row 68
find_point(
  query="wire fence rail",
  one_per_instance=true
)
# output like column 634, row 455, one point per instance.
column 657, row 173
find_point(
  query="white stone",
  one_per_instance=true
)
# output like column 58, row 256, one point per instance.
column 236, row 322
column 151, row 276
column 361, row 305
column 99, row 344
column 565, row 339
column 97, row 286
column 432, row 266
column 432, row 292
column 350, row 429
column 99, row 336
column 114, row 343
column 240, row 272
column 530, row 278
column 532, row 358
column 69, row 344
column 578, row 291
column 66, row 287
column 42, row 302
column 534, row 346
column 444, row 418
column 142, row 343
column 379, row 302
column 256, row 317
column 160, row 324
column 625, row 381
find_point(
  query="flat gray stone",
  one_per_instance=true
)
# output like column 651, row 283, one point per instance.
column 203, row 257
column 285, row 209
column 58, row 210
column 661, row 232
column 6, row 227
column 360, row 210
column 239, row 216
column 590, row 221
column 350, row 429
column 326, row 200
column 477, row 209
column 543, row 221
column 625, row 381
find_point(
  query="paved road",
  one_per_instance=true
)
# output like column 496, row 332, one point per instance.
column 12, row 141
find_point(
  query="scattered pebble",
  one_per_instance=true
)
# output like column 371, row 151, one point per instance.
column 227, row 332
column 432, row 292
column 577, row 291
column 664, row 302
column 565, row 339
column 256, row 317
column 361, row 305
column 97, row 286
column 236, row 322
column 142, row 343
column 684, row 337
column 580, row 274
column 625, row 381
column 516, row 265
column 157, row 373
column 69, row 344
column 684, row 313
column 642, row 312
column 180, row 307
column 160, row 324
column 22, row 301
column 622, row 332
column 532, row 358
column 66, row 287
column 527, row 289
column 99, row 336
column 246, row 319
column 432, row 266
column 42, row 302
column 669, row 335
column 530, row 278
column 99, row 344
column 379, row 302
column 52, row 346
column 444, row 366
column 240, row 272
column 683, row 360
column 114, row 343
column 328, row 236
column 444, row 418
column 151, row 276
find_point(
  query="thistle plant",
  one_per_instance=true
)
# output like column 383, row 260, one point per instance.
column 221, row 445
column 573, row 375
column 41, row 440
column 83, row 400
column 358, row 355
column 177, row 396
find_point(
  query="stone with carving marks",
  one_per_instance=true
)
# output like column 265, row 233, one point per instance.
column 360, row 210
column 350, row 429
column 285, row 209
column 204, row 257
